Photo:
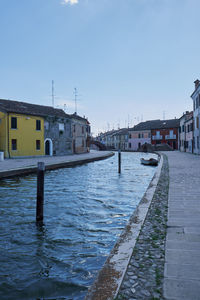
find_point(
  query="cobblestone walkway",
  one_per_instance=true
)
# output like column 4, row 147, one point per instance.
column 144, row 276
column 182, row 256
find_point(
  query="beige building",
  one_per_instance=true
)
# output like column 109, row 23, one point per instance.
column 80, row 134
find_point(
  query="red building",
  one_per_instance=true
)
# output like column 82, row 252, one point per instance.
column 165, row 132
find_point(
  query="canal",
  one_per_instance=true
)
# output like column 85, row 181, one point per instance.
column 86, row 209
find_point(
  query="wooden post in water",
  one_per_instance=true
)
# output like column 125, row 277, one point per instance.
column 40, row 192
column 119, row 161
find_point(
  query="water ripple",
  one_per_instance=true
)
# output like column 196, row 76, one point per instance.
column 86, row 208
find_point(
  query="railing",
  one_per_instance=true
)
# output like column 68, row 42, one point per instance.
column 157, row 137
column 170, row 137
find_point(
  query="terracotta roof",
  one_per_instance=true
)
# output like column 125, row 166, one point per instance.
column 156, row 124
column 30, row 109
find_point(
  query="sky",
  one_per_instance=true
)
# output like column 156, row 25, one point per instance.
column 130, row 60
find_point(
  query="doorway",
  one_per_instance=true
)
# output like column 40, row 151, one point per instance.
column 48, row 147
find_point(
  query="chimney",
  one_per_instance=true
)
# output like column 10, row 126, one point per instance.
column 196, row 82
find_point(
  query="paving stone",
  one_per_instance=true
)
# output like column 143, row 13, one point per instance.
column 182, row 267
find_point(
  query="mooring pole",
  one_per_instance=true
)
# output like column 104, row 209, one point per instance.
column 119, row 161
column 40, row 192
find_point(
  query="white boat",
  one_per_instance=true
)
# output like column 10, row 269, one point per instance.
column 149, row 162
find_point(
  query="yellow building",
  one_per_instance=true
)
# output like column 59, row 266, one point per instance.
column 21, row 129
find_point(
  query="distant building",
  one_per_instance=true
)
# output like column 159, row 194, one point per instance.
column 196, row 116
column 189, row 134
column 121, row 139
column 154, row 132
column 139, row 135
column 165, row 132
column 184, row 130
column 80, row 133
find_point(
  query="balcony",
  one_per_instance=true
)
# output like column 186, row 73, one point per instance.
column 157, row 137
column 170, row 137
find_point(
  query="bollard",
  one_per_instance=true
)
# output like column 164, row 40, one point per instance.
column 119, row 161
column 40, row 192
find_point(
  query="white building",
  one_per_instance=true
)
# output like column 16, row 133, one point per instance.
column 196, row 115
column 184, row 130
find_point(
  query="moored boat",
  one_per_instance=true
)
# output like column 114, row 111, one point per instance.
column 149, row 162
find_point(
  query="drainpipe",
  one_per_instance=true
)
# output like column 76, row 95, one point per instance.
column 8, row 135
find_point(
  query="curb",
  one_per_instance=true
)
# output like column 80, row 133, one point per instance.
column 110, row 277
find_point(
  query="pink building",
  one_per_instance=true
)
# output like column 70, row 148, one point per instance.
column 138, row 138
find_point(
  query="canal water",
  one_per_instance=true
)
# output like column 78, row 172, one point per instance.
column 86, row 209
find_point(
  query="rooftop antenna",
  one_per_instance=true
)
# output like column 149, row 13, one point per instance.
column 52, row 93
column 75, row 99
column 163, row 115
column 128, row 121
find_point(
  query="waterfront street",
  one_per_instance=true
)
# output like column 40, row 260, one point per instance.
column 171, row 272
column 19, row 166
column 182, row 256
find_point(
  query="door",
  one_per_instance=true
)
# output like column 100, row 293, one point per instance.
column 47, row 148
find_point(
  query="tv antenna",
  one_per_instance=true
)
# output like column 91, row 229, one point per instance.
column 75, row 99
column 52, row 93
column 163, row 114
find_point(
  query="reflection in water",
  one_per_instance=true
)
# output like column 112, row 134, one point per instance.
column 85, row 209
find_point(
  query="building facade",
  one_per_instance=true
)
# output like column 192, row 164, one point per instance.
column 21, row 132
column 185, row 130
column 35, row 130
column 138, row 136
column 196, row 116
column 57, row 133
column 165, row 132
column 189, row 134
column 80, row 131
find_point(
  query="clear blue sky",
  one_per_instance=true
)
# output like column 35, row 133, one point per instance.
column 129, row 59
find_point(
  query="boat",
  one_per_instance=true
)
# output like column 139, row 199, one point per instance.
column 149, row 162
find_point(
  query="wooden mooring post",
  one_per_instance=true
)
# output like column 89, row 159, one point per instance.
column 40, row 192
column 119, row 161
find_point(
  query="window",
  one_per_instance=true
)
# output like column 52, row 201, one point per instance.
column 37, row 144
column 197, row 100
column 38, row 125
column 197, row 122
column 83, row 143
column 157, row 133
column 14, row 123
column 82, row 129
column 197, row 142
column 129, row 136
column 61, row 127
column 183, row 128
column 14, row 144
column 129, row 145
column 74, row 128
